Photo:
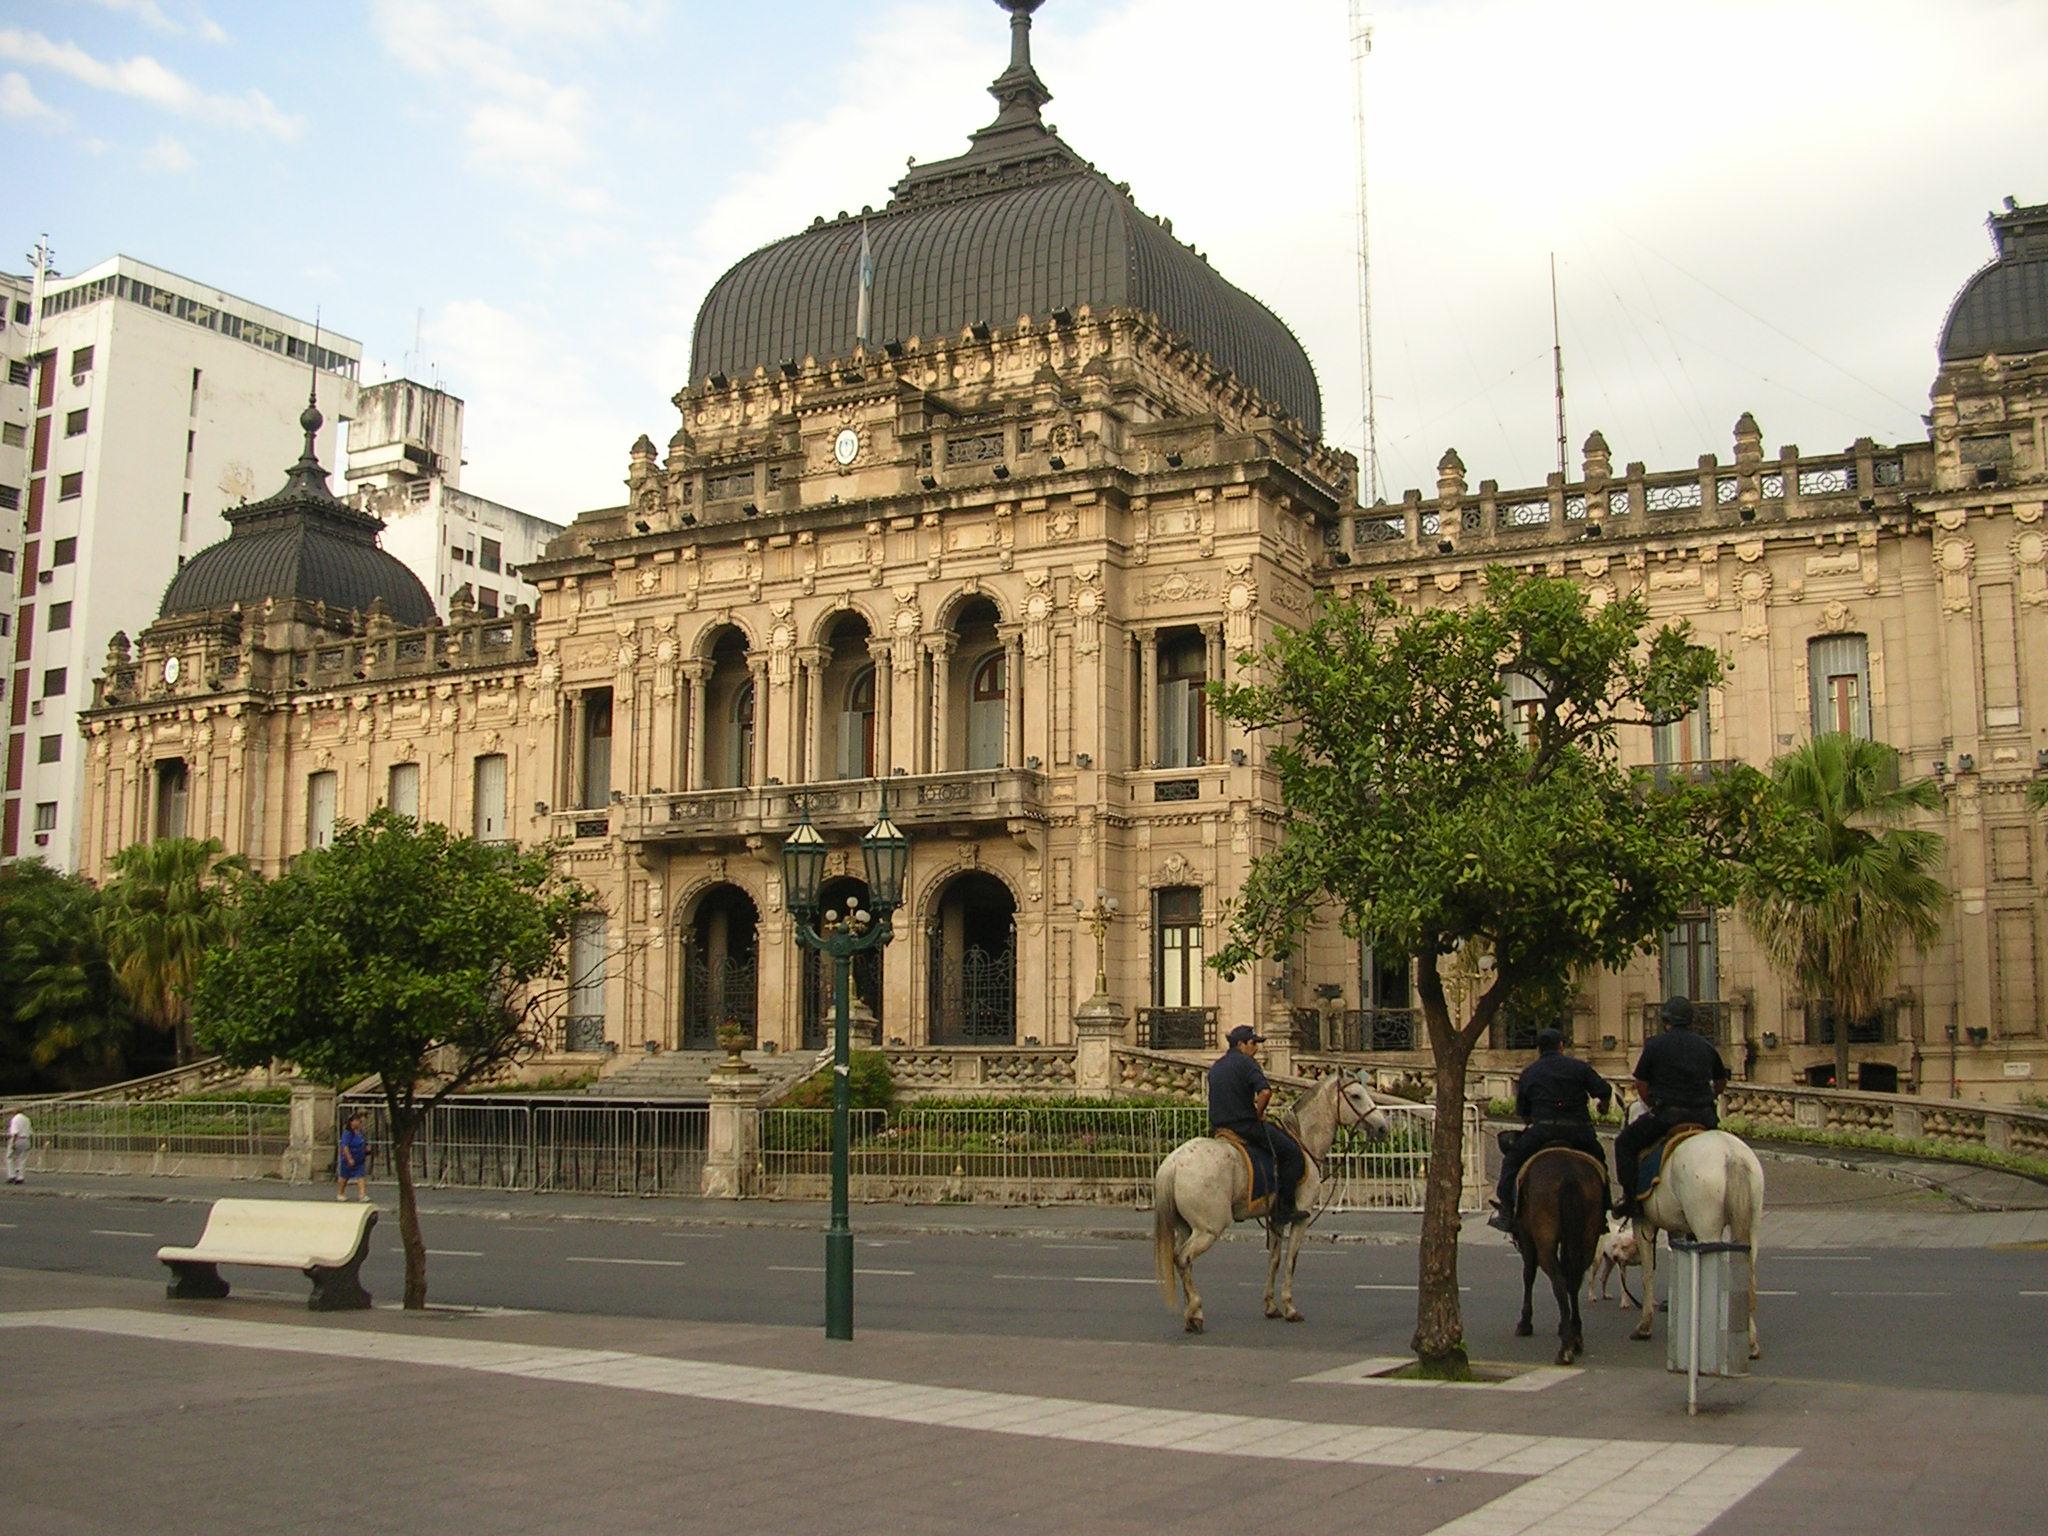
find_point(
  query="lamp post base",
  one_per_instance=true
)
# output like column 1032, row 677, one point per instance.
column 839, row 1283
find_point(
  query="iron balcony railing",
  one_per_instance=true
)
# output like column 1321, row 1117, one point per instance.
column 1879, row 1028
column 1710, row 1017
column 1177, row 1029
column 1703, row 771
column 1358, row 1031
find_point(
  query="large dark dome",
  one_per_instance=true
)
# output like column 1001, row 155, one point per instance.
column 2004, row 308
column 300, row 544
column 1019, row 225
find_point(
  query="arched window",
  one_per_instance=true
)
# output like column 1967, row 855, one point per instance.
column 857, row 727
column 987, row 711
column 741, row 766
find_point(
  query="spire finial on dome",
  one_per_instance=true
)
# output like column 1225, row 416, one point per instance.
column 1018, row 90
column 310, row 419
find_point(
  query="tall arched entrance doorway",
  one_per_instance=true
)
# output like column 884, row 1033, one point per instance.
column 866, row 981
column 721, row 967
column 972, row 945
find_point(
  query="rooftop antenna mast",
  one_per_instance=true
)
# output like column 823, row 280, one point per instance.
column 43, row 263
column 1370, row 483
column 1557, row 368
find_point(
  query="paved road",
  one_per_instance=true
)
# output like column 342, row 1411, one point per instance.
column 1875, row 1315
column 655, row 1366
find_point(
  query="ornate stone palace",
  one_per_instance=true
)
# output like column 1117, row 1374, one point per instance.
column 973, row 530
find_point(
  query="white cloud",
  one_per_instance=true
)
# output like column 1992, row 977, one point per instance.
column 144, row 79
column 153, row 16
column 167, row 155
column 18, row 100
column 534, row 434
column 497, row 60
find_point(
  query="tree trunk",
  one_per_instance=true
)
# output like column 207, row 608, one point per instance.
column 1841, row 1048
column 1439, row 1341
column 405, row 1126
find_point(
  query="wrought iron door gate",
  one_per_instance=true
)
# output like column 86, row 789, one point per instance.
column 715, row 991
column 974, row 1000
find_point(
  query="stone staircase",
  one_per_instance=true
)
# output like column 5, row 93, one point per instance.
column 685, row 1076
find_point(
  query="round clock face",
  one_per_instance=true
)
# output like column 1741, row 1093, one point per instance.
column 171, row 669
column 846, row 446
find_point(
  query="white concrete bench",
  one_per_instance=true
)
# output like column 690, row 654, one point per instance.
column 325, row 1242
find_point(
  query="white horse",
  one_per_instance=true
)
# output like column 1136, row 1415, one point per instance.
column 1711, row 1183
column 1203, row 1187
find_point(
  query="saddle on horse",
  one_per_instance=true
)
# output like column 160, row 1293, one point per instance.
column 1261, row 1176
column 1650, row 1171
column 1587, row 1158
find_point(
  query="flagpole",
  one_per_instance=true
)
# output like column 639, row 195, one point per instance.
column 867, row 288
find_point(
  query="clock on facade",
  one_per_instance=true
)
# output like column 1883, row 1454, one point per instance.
column 171, row 670
column 846, row 446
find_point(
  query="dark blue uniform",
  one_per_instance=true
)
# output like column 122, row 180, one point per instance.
column 1235, row 1082
column 1684, row 1075
column 1553, row 1095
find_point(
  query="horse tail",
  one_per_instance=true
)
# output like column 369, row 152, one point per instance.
column 1574, row 1258
column 1163, row 1217
column 1743, row 1195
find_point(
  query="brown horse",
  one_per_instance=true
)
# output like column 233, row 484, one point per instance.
column 1558, row 1220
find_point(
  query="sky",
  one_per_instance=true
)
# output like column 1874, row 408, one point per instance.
column 1761, row 206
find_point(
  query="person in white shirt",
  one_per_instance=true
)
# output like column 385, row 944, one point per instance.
column 17, row 1148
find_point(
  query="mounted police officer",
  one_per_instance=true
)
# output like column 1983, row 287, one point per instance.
column 1679, row 1075
column 1553, row 1096
column 1238, row 1096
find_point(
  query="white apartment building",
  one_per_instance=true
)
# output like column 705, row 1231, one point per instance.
column 405, row 466
column 15, row 311
column 147, row 405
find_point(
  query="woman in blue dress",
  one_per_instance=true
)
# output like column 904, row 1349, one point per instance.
column 352, row 1166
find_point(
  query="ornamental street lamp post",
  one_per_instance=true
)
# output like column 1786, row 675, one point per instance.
column 840, row 936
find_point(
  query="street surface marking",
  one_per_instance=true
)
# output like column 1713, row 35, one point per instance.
column 1891, row 1293
column 1409, row 1287
column 450, row 1253
column 8, row 1225
column 819, row 1269
column 2034, row 1293
column 1089, row 1279
column 1823, row 1258
column 650, row 1263
column 1587, row 1486
column 118, row 1232
column 1077, row 1247
column 706, row 1236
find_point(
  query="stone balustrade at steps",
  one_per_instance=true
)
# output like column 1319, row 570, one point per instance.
column 685, row 1076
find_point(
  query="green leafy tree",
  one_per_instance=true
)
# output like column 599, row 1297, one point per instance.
column 403, row 951
column 168, row 903
column 1501, row 846
column 63, row 1021
column 1842, row 885
column 2037, row 794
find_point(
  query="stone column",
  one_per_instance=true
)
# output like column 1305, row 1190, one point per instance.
column 809, row 732
column 309, row 1155
column 882, row 652
column 941, row 648
column 1148, row 698
column 1100, row 1026
column 1212, row 718
column 758, row 770
column 732, row 1141
column 693, row 689
column 1013, row 701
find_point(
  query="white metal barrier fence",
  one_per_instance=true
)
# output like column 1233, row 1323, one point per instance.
column 1067, row 1155
column 230, row 1138
column 570, row 1147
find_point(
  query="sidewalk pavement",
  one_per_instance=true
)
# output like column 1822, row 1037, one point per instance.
column 253, row 1413
column 1811, row 1201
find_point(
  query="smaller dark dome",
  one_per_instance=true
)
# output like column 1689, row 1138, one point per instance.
column 2004, row 308
column 300, row 544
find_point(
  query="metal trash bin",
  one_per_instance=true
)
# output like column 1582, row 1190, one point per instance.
column 1708, row 1330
